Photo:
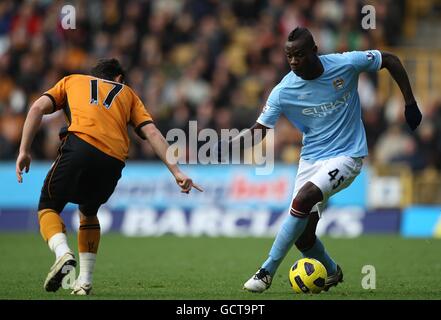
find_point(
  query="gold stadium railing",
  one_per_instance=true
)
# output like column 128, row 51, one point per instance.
column 415, row 11
column 416, row 188
column 427, row 187
column 424, row 69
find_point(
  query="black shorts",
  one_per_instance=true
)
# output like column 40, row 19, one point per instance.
column 81, row 174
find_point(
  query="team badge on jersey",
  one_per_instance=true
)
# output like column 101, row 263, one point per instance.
column 338, row 83
column 370, row 56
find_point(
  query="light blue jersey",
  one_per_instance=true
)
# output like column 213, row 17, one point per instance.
column 326, row 109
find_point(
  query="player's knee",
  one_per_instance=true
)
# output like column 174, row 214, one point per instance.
column 305, row 242
column 308, row 196
column 303, row 203
column 302, row 198
column 89, row 210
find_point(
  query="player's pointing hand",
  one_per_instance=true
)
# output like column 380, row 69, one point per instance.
column 186, row 183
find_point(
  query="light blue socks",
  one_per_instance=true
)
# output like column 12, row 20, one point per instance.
column 318, row 252
column 289, row 232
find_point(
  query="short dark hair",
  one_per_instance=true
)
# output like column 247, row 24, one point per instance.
column 301, row 33
column 107, row 69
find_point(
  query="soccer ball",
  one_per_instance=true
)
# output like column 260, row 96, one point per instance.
column 307, row 275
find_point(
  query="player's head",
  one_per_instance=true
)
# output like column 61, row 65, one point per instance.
column 301, row 51
column 108, row 69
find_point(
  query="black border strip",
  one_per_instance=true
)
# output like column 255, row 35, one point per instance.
column 53, row 101
column 138, row 128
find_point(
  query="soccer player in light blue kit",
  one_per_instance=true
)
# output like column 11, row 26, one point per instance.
column 320, row 98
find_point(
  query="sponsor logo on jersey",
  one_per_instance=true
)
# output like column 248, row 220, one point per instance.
column 326, row 109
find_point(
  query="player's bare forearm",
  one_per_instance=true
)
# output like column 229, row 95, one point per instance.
column 31, row 125
column 159, row 146
column 42, row 106
column 396, row 69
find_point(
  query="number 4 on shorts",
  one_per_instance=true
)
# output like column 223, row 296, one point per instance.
column 333, row 174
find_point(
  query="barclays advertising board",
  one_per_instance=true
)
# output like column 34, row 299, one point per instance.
column 212, row 221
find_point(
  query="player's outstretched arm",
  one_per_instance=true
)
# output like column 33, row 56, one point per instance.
column 42, row 106
column 160, row 146
column 393, row 64
column 224, row 145
column 255, row 138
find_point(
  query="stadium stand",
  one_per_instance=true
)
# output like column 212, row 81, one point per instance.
column 216, row 61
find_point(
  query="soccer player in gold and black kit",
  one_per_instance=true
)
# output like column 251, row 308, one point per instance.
column 92, row 154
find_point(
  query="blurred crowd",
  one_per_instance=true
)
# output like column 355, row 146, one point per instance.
column 213, row 61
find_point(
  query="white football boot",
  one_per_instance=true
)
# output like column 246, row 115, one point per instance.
column 259, row 282
column 59, row 270
column 82, row 289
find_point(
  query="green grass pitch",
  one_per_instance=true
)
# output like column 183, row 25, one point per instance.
column 173, row 268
